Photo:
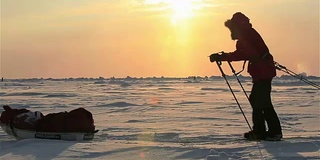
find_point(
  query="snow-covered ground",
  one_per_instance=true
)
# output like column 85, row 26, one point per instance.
column 164, row 119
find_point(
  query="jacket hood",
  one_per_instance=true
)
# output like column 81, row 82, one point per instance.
column 238, row 20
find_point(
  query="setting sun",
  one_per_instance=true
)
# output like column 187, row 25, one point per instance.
column 180, row 9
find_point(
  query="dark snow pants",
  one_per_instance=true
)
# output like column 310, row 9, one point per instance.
column 260, row 99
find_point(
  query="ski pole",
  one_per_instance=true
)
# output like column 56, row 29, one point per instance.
column 235, row 74
column 224, row 76
column 219, row 63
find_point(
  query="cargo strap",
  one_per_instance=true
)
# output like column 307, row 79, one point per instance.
column 243, row 66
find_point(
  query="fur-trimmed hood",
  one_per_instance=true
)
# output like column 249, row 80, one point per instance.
column 239, row 21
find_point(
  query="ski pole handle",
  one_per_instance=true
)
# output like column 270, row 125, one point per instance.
column 219, row 63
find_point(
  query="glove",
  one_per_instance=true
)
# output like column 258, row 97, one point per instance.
column 214, row 57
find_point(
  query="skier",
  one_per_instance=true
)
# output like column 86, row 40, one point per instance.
column 250, row 46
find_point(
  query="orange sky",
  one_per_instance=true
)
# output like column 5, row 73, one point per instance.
column 142, row 38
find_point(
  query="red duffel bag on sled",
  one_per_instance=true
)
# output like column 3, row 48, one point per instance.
column 77, row 124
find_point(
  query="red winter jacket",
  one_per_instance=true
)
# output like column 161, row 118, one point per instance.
column 250, row 46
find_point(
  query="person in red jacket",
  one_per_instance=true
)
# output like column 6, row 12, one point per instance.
column 251, row 47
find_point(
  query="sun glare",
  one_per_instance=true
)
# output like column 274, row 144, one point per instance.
column 181, row 9
column 179, row 38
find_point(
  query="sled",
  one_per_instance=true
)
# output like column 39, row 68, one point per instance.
column 20, row 134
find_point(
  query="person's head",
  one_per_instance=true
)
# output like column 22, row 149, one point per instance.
column 238, row 24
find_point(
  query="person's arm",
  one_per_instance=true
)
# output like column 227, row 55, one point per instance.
column 238, row 55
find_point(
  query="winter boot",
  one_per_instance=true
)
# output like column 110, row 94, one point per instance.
column 273, row 137
column 252, row 136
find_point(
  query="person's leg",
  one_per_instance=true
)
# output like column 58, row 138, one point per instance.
column 259, row 128
column 270, row 115
column 274, row 127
